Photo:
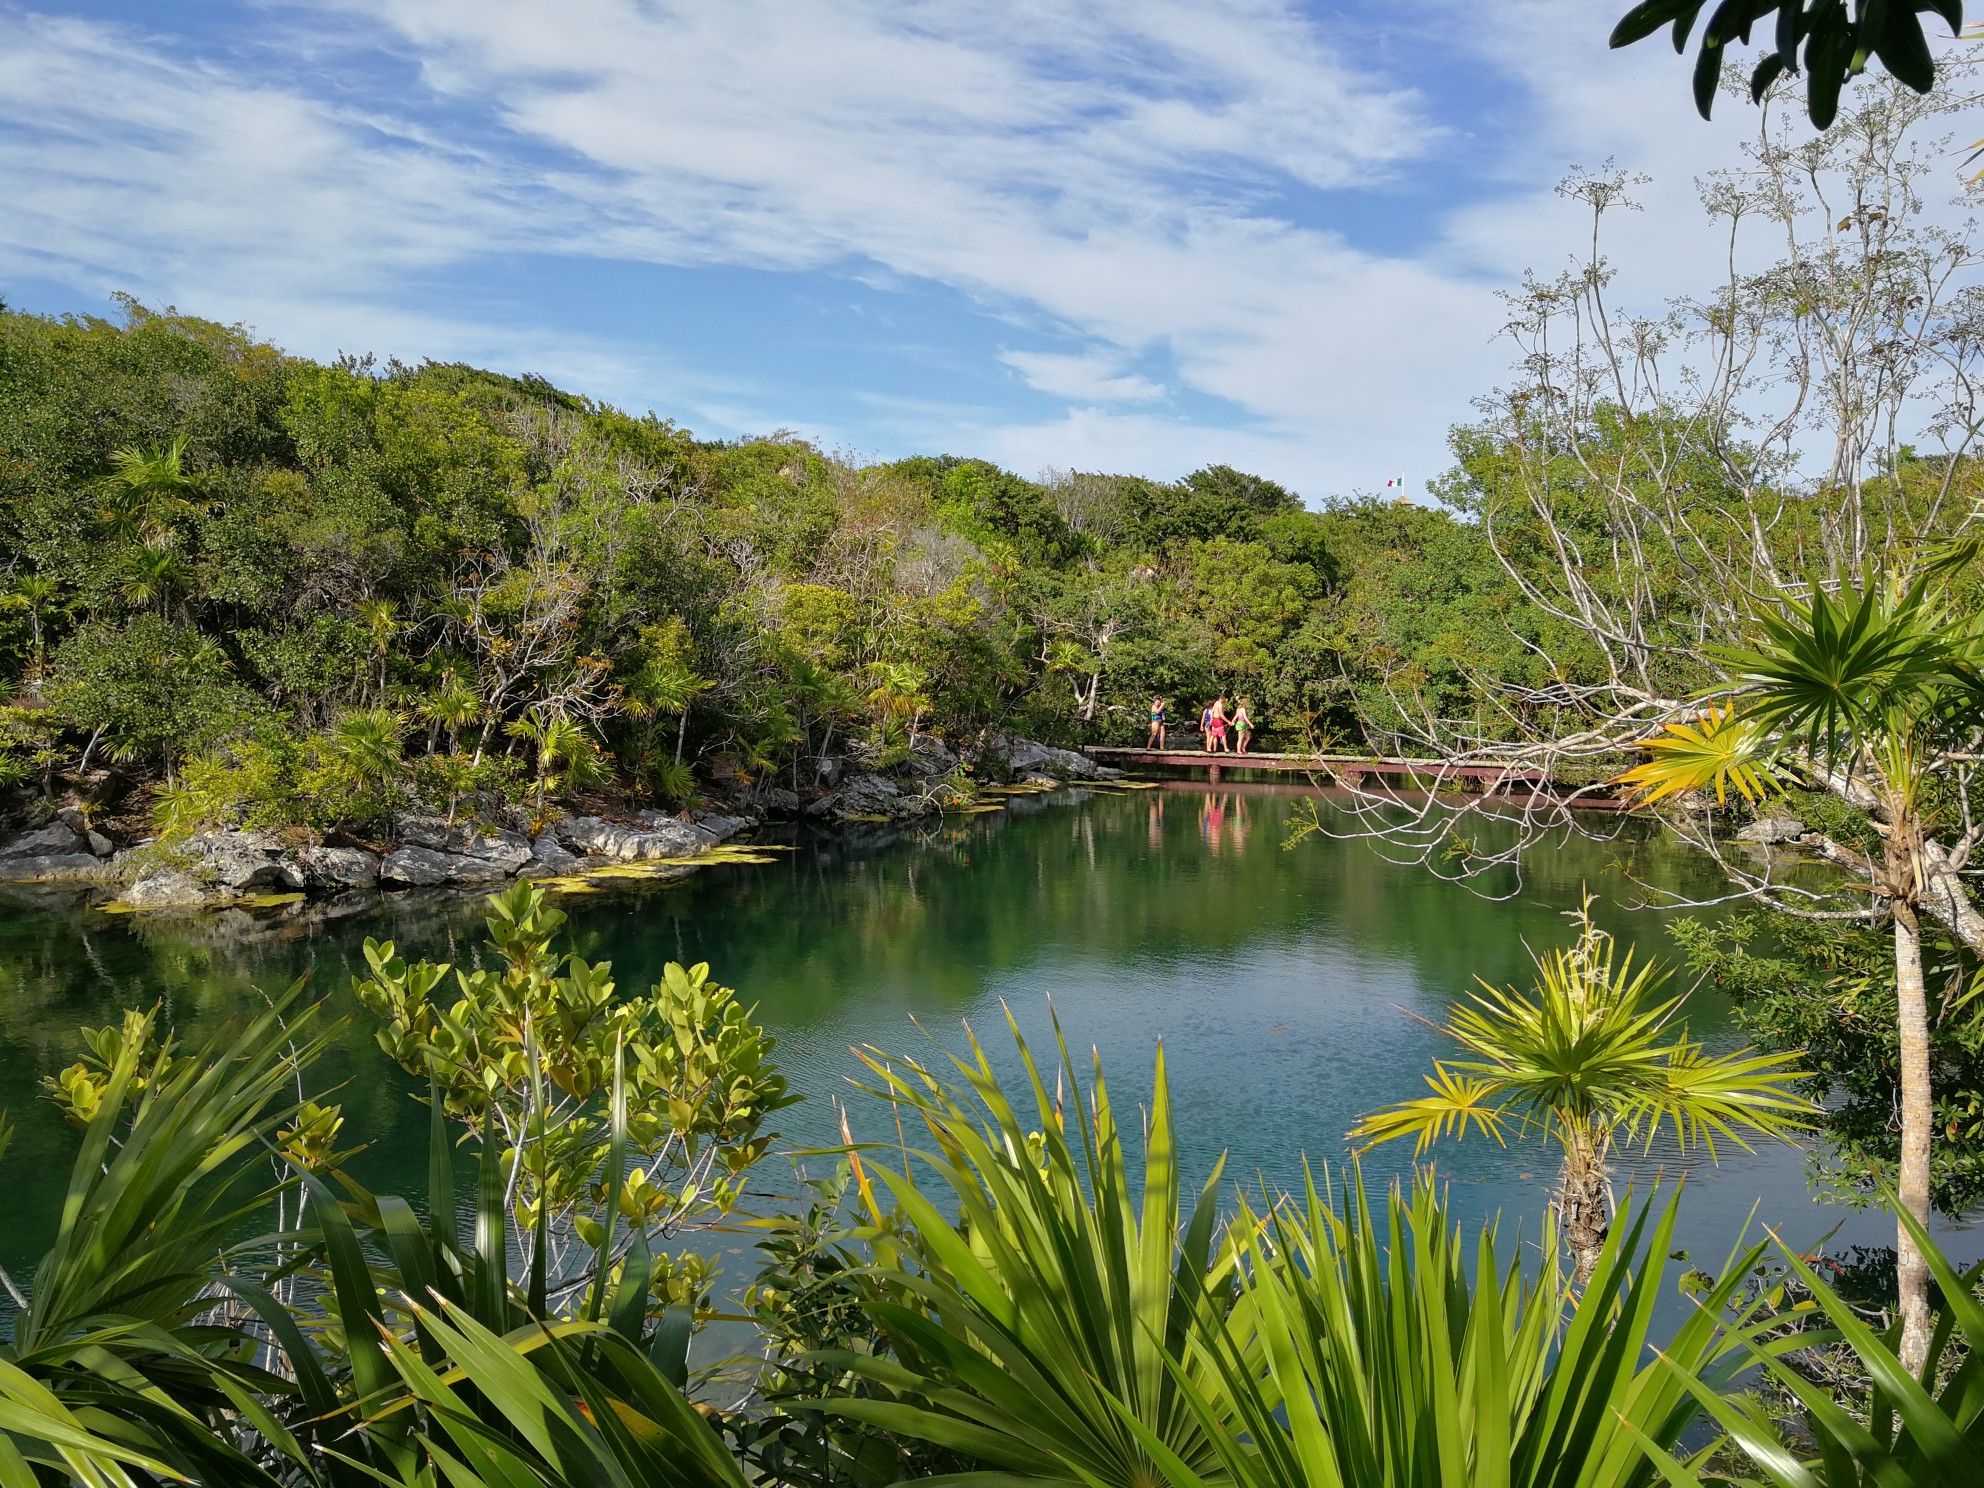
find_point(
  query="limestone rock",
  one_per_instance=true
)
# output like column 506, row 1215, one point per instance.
column 548, row 859
column 99, row 844
column 721, row 828
column 1772, row 830
column 498, row 845
column 52, row 866
column 422, row 867
column 164, row 888
column 592, row 837
column 58, row 837
column 340, row 868
column 1030, row 759
column 868, row 796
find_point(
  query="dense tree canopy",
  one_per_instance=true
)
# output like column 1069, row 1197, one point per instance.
column 280, row 592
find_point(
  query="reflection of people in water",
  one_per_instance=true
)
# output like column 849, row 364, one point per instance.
column 1157, row 821
column 1212, row 823
column 1241, row 826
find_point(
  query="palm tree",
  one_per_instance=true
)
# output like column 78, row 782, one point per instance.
column 666, row 682
column 1867, row 689
column 366, row 741
column 381, row 617
column 144, row 490
column 1587, row 1058
column 32, row 594
column 150, row 576
column 452, row 708
column 567, row 757
column 898, row 691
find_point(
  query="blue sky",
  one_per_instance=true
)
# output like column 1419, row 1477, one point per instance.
column 1132, row 235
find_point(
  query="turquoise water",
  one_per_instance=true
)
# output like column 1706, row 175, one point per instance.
column 1288, row 987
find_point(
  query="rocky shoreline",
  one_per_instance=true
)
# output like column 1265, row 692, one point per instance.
column 241, row 867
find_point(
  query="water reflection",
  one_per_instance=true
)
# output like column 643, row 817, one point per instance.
column 1288, row 987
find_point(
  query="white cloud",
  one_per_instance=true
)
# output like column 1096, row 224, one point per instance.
column 1084, row 377
column 1151, row 180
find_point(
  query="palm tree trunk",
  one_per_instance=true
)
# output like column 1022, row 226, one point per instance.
column 1582, row 1212
column 681, row 733
column 1917, row 1125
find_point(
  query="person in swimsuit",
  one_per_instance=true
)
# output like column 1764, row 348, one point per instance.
column 1243, row 725
column 1156, row 740
column 1216, row 723
column 1205, row 728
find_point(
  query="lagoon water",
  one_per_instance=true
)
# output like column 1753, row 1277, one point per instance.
column 1291, row 988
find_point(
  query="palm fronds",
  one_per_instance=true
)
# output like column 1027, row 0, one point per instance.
column 1368, row 1354
column 1043, row 1307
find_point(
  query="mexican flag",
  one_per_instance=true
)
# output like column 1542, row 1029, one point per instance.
column 1400, row 483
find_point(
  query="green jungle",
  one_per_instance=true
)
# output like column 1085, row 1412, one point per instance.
column 321, row 620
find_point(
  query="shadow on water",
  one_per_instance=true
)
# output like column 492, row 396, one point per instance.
column 1288, row 987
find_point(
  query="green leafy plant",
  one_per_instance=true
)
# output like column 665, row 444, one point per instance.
column 1866, row 687
column 1911, row 1428
column 1586, row 1058
column 1827, row 41
column 1031, row 1330
column 528, row 1050
column 122, row 1330
column 1368, row 1354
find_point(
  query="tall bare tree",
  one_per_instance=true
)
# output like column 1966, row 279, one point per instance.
column 1749, row 466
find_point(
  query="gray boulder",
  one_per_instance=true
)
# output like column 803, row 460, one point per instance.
column 721, row 828
column 238, row 871
column 68, row 865
column 422, row 867
column 510, row 850
column 1769, row 831
column 548, row 859
column 99, row 844
column 592, row 837
column 873, row 797
column 929, row 758
column 340, row 868
column 56, row 838
column 164, row 888
column 232, row 864
column 1030, row 758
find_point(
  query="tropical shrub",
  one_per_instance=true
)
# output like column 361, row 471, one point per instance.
column 1038, row 1302
column 1586, row 1058
column 528, row 1051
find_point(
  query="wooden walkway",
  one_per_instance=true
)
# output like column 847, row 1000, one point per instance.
column 1518, row 783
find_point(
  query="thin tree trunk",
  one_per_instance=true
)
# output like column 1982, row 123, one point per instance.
column 681, row 733
column 1582, row 1212
column 1917, row 1124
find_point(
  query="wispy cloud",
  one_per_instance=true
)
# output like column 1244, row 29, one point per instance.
column 1091, row 377
column 1114, row 185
